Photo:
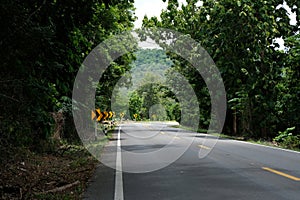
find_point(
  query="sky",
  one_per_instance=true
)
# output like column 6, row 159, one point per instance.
column 147, row 7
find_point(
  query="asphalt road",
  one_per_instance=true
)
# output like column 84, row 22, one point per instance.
column 231, row 170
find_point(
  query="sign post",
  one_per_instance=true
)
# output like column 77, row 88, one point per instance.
column 96, row 116
column 121, row 116
column 96, row 130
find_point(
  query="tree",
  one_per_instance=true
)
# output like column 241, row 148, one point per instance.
column 135, row 104
column 289, row 87
column 43, row 44
column 239, row 35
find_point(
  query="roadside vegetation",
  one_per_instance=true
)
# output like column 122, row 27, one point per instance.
column 261, row 79
column 43, row 44
column 62, row 174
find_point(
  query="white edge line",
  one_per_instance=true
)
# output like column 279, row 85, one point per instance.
column 276, row 148
column 119, row 175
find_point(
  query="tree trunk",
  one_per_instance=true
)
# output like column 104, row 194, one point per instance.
column 59, row 124
column 234, row 123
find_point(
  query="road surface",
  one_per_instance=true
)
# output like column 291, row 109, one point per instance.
column 231, row 170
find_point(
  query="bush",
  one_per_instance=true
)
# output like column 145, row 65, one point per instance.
column 287, row 139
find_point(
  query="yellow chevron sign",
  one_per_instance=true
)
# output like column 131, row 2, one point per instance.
column 96, row 115
column 110, row 114
column 105, row 113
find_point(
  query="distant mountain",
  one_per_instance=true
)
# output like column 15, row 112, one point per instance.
column 150, row 66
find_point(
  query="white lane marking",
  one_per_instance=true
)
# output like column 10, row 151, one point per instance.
column 261, row 145
column 119, row 175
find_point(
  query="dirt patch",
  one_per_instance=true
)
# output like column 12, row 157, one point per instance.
column 60, row 175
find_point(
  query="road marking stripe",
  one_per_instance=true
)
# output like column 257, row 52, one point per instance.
column 270, row 147
column 281, row 173
column 203, row 147
column 162, row 132
column 175, row 137
column 119, row 175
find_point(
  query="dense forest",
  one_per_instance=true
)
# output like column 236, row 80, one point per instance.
column 260, row 78
column 147, row 88
column 43, row 44
column 153, row 61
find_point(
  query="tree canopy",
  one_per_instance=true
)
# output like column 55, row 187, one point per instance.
column 43, row 44
column 240, row 37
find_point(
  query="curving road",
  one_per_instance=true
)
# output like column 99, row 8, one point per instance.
column 229, row 170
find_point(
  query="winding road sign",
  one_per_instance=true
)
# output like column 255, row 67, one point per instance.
column 106, row 114
column 110, row 114
column 97, row 115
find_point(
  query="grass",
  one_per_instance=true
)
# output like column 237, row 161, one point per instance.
column 183, row 127
column 95, row 147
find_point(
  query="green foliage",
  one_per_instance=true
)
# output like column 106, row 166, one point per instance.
column 284, row 134
column 149, row 97
column 149, row 93
column 135, row 104
column 43, row 44
column 287, row 139
column 289, row 88
column 153, row 61
column 155, row 102
column 260, row 81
